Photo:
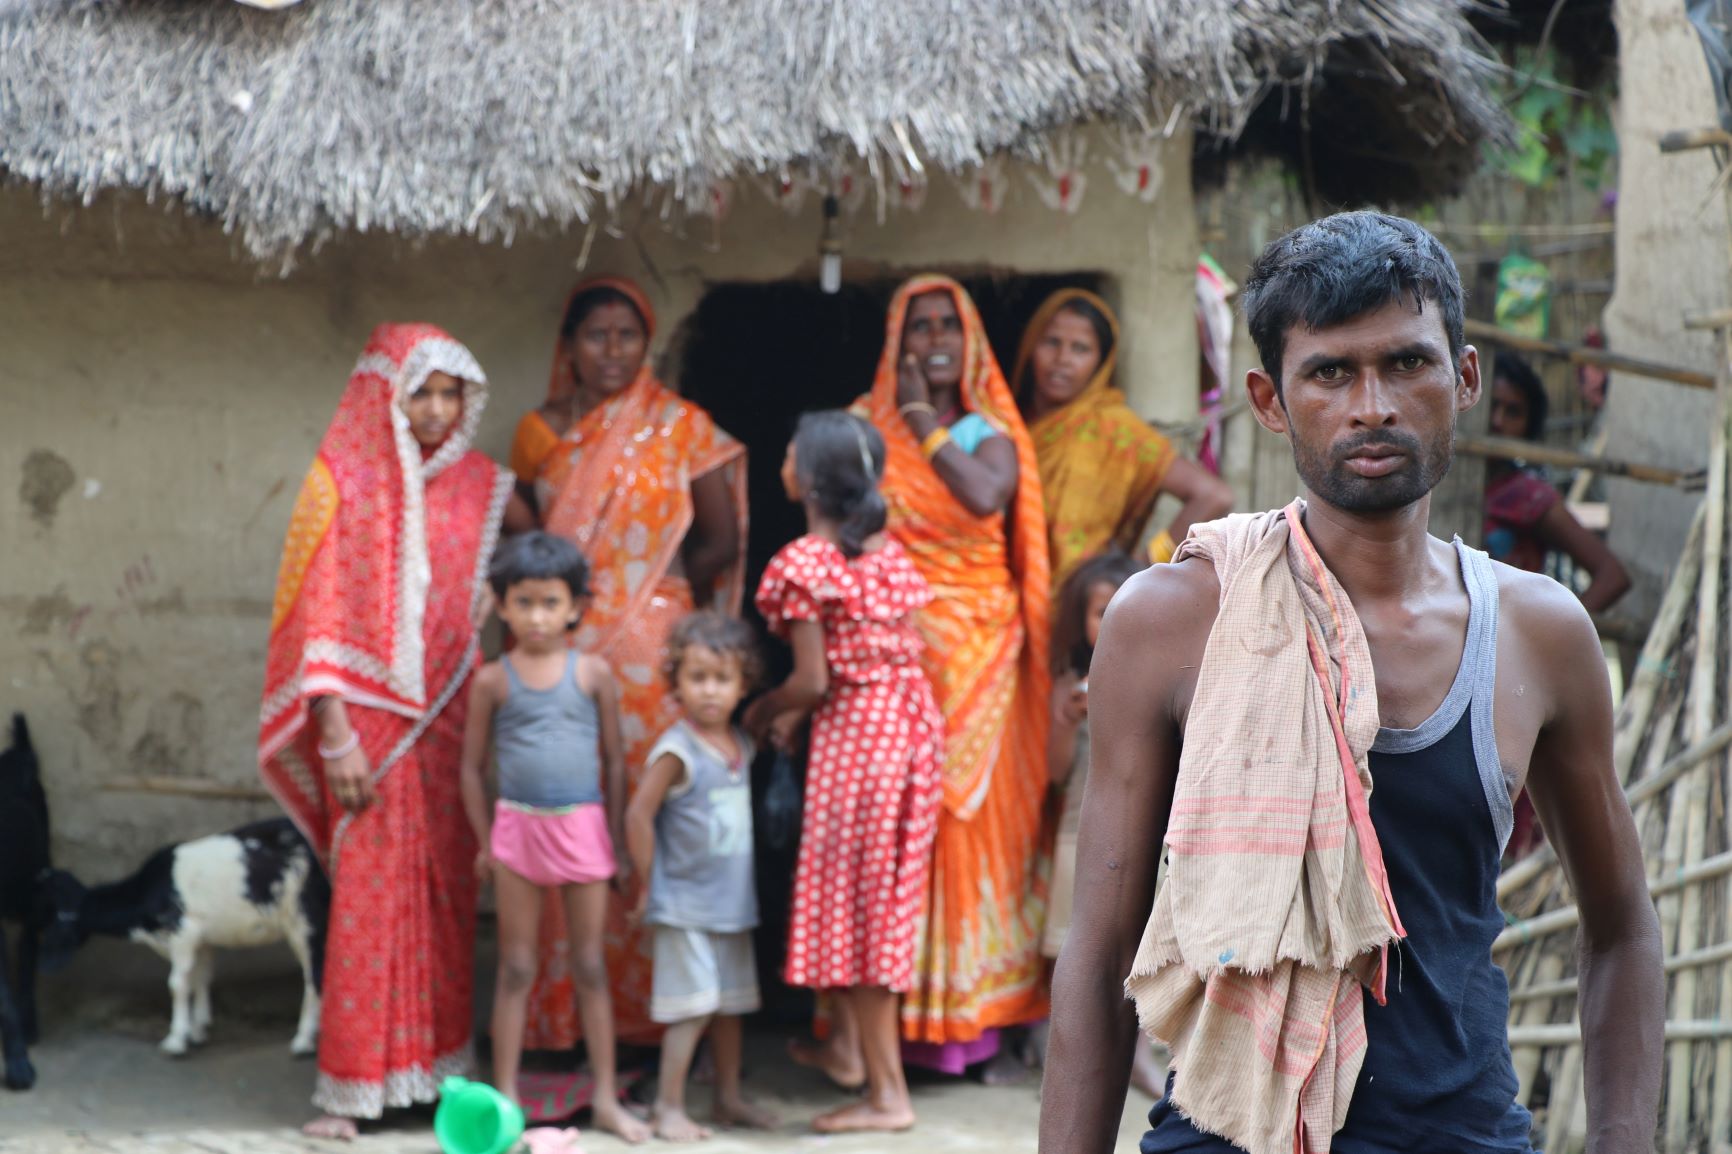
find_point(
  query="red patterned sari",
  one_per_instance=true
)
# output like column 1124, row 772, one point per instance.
column 376, row 603
column 619, row 484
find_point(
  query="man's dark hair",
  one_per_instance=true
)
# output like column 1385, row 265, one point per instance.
column 1343, row 266
column 538, row 556
column 1520, row 374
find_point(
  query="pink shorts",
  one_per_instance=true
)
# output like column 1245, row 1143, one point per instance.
column 553, row 849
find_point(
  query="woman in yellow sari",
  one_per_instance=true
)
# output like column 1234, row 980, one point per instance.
column 1101, row 465
column 653, row 492
column 964, row 501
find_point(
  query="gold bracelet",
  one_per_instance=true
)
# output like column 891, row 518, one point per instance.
column 918, row 407
column 935, row 440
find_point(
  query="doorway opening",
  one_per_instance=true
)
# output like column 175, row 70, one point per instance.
column 756, row 356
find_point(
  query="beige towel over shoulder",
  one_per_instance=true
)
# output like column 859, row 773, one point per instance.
column 1276, row 907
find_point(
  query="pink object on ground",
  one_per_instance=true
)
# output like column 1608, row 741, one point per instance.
column 950, row 1057
column 553, row 849
column 552, row 1140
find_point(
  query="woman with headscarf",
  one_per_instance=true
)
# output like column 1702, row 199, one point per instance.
column 964, row 501
column 653, row 492
column 1102, row 467
column 373, row 638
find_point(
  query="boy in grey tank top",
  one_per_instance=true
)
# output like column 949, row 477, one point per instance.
column 689, row 828
column 553, row 713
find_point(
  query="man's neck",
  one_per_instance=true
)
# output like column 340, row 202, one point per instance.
column 1376, row 557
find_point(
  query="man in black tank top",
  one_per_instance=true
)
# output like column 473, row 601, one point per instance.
column 1488, row 680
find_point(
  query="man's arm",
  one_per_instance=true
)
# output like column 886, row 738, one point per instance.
column 1576, row 794
column 1150, row 645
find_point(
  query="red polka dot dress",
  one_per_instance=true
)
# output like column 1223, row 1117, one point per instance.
column 872, row 776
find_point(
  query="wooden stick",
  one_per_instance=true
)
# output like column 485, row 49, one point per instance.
column 1566, row 1033
column 1585, row 355
column 1700, row 723
column 1566, row 987
column 185, row 787
column 1654, row 666
column 1712, row 319
column 1517, row 449
column 1545, row 967
column 1685, row 139
column 1567, row 917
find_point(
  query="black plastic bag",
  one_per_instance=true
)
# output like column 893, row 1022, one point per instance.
column 782, row 804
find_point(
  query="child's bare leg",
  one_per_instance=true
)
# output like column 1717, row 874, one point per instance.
column 519, row 907
column 731, row 1107
column 672, row 1123
column 1146, row 1073
column 585, row 919
column 838, row 1057
column 887, row 1105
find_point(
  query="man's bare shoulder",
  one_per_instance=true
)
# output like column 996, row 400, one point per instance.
column 1550, row 624
column 1170, row 608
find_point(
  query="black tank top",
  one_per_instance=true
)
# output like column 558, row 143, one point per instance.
column 1437, row 1077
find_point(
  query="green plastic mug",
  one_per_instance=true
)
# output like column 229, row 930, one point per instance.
column 474, row 1118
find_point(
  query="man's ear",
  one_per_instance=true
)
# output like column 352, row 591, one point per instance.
column 1468, row 383
column 1266, row 401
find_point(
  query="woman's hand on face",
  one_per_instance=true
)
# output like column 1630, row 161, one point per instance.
column 911, row 386
column 351, row 780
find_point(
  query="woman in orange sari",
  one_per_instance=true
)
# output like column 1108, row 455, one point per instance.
column 373, row 637
column 653, row 492
column 964, row 501
column 1101, row 465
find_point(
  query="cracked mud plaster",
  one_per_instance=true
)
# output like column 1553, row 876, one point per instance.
column 47, row 478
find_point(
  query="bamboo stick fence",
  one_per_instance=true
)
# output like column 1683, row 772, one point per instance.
column 1671, row 753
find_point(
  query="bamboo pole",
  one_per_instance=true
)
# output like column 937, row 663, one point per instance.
column 1584, row 355
column 1703, row 677
column 1685, row 139
column 1567, row 1033
column 1568, row 917
column 1654, row 665
column 1517, row 449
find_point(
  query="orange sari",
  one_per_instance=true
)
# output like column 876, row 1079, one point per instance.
column 1101, row 465
column 618, row 483
column 978, row 965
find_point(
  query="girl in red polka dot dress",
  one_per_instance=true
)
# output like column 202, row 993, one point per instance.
column 844, row 596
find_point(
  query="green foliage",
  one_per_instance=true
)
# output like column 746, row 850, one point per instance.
column 1559, row 133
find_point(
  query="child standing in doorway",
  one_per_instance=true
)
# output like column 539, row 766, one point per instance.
column 554, row 715
column 1081, row 605
column 689, row 828
column 844, row 597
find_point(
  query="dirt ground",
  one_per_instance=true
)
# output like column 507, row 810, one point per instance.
column 104, row 1088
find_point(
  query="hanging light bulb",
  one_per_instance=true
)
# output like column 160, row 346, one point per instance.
column 830, row 248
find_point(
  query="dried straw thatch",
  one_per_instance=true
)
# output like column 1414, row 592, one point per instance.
column 452, row 116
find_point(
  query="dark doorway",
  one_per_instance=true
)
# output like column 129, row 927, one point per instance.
column 756, row 356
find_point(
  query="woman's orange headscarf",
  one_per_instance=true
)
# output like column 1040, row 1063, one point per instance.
column 965, row 558
column 1101, row 465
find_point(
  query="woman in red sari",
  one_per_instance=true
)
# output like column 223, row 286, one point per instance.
column 653, row 492
column 373, row 637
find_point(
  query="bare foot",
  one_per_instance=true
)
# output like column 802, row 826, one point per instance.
column 742, row 1115
column 863, row 1117
column 617, row 1120
column 673, row 1125
column 332, row 1127
column 1146, row 1073
column 848, row 1071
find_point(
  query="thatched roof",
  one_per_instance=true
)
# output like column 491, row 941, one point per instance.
column 488, row 118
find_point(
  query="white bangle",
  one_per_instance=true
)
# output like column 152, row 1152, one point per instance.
column 343, row 750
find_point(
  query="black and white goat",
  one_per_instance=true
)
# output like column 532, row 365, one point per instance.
column 249, row 887
column 24, row 868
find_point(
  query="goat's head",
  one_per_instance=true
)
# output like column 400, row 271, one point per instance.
column 59, row 909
